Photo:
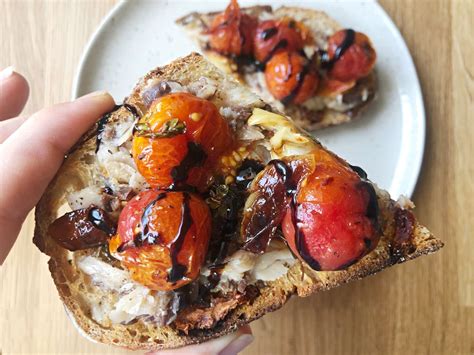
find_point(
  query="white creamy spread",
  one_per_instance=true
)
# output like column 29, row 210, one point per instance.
column 115, row 159
column 91, row 195
column 269, row 266
column 131, row 300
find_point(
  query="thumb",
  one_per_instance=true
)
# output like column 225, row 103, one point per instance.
column 230, row 344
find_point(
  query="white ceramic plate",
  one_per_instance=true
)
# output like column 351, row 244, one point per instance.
column 387, row 141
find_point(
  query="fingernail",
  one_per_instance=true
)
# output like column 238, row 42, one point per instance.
column 6, row 73
column 96, row 94
column 237, row 345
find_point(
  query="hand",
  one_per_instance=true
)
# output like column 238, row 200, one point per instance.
column 31, row 151
column 32, row 148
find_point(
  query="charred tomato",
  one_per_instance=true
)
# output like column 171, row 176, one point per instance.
column 231, row 32
column 351, row 55
column 273, row 37
column 162, row 238
column 269, row 197
column 82, row 229
column 179, row 141
column 291, row 77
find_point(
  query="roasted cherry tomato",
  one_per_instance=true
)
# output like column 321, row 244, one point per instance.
column 231, row 32
column 351, row 55
column 333, row 219
column 162, row 238
column 179, row 141
column 272, row 37
column 291, row 78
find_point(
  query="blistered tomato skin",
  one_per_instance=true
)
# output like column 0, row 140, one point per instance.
column 290, row 78
column 156, row 158
column 162, row 238
column 356, row 61
column 232, row 32
column 332, row 221
column 184, row 137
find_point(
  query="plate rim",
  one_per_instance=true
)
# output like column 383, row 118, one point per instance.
column 411, row 176
column 420, row 142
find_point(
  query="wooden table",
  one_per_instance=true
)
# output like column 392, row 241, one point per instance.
column 425, row 306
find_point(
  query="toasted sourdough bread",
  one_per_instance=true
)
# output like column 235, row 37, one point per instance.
column 340, row 109
column 77, row 172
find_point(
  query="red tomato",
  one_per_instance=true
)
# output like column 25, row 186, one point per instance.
column 355, row 61
column 162, row 238
column 272, row 37
column 336, row 215
column 290, row 78
column 185, row 137
column 231, row 32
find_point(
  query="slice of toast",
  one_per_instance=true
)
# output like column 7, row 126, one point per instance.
column 314, row 114
column 80, row 170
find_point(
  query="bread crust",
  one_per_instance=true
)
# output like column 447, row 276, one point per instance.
column 321, row 26
column 300, row 280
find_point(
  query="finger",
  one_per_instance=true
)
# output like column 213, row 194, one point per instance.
column 14, row 91
column 7, row 127
column 230, row 344
column 31, row 156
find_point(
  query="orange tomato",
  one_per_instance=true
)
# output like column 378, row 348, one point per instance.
column 183, row 138
column 290, row 78
column 162, row 238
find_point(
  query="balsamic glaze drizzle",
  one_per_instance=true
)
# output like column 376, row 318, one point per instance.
column 247, row 171
column 299, row 237
column 299, row 83
column 268, row 33
column 359, row 171
column 372, row 207
column 349, row 38
column 178, row 270
column 282, row 44
column 97, row 218
column 194, row 157
column 145, row 237
column 285, row 172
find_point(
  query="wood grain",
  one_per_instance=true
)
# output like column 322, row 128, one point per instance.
column 424, row 306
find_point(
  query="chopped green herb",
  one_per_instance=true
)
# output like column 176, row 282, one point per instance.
column 171, row 128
